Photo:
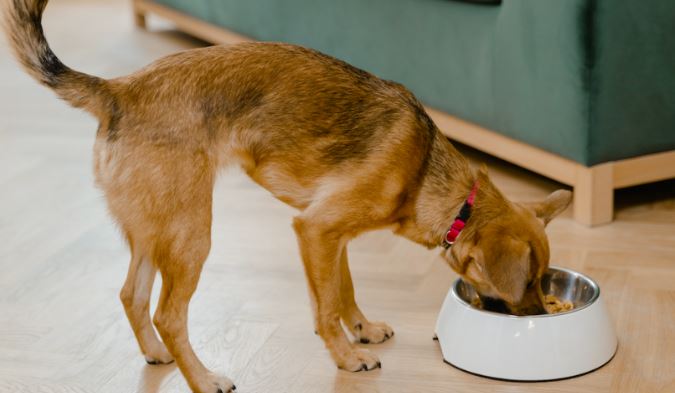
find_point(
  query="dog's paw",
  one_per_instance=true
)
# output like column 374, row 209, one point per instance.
column 224, row 384
column 217, row 384
column 359, row 360
column 372, row 332
column 159, row 355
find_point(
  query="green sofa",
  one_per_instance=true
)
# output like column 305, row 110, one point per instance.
column 588, row 81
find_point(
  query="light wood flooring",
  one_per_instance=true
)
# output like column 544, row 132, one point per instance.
column 62, row 261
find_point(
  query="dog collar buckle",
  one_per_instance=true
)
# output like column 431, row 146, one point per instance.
column 460, row 220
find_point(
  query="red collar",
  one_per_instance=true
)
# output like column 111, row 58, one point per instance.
column 461, row 219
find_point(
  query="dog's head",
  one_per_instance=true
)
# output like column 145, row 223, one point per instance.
column 505, row 252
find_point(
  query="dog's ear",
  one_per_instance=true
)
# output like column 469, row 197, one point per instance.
column 553, row 205
column 461, row 255
column 506, row 266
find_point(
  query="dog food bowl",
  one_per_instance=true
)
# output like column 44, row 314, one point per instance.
column 529, row 348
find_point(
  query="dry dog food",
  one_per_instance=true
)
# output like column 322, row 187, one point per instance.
column 554, row 305
column 476, row 303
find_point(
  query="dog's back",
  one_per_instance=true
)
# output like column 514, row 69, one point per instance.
column 253, row 104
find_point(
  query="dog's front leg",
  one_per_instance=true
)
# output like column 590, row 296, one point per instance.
column 320, row 249
column 364, row 331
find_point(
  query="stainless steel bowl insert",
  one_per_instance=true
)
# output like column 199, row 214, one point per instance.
column 566, row 285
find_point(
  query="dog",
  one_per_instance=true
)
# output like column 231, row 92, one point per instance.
column 351, row 152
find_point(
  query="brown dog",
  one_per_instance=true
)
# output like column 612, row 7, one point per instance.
column 350, row 151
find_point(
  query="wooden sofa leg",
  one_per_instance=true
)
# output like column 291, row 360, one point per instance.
column 139, row 17
column 594, row 195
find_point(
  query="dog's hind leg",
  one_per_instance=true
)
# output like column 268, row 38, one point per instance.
column 363, row 330
column 135, row 296
column 180, row 259
column 162, row 196
column 180, row 252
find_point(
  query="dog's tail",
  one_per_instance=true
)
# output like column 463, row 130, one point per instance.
column 23, row 24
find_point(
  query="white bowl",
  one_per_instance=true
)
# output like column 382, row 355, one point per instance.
column 529, row 348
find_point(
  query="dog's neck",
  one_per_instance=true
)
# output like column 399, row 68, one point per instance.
column 445, row 183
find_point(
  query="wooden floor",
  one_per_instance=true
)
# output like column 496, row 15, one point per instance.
column 62, row 262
